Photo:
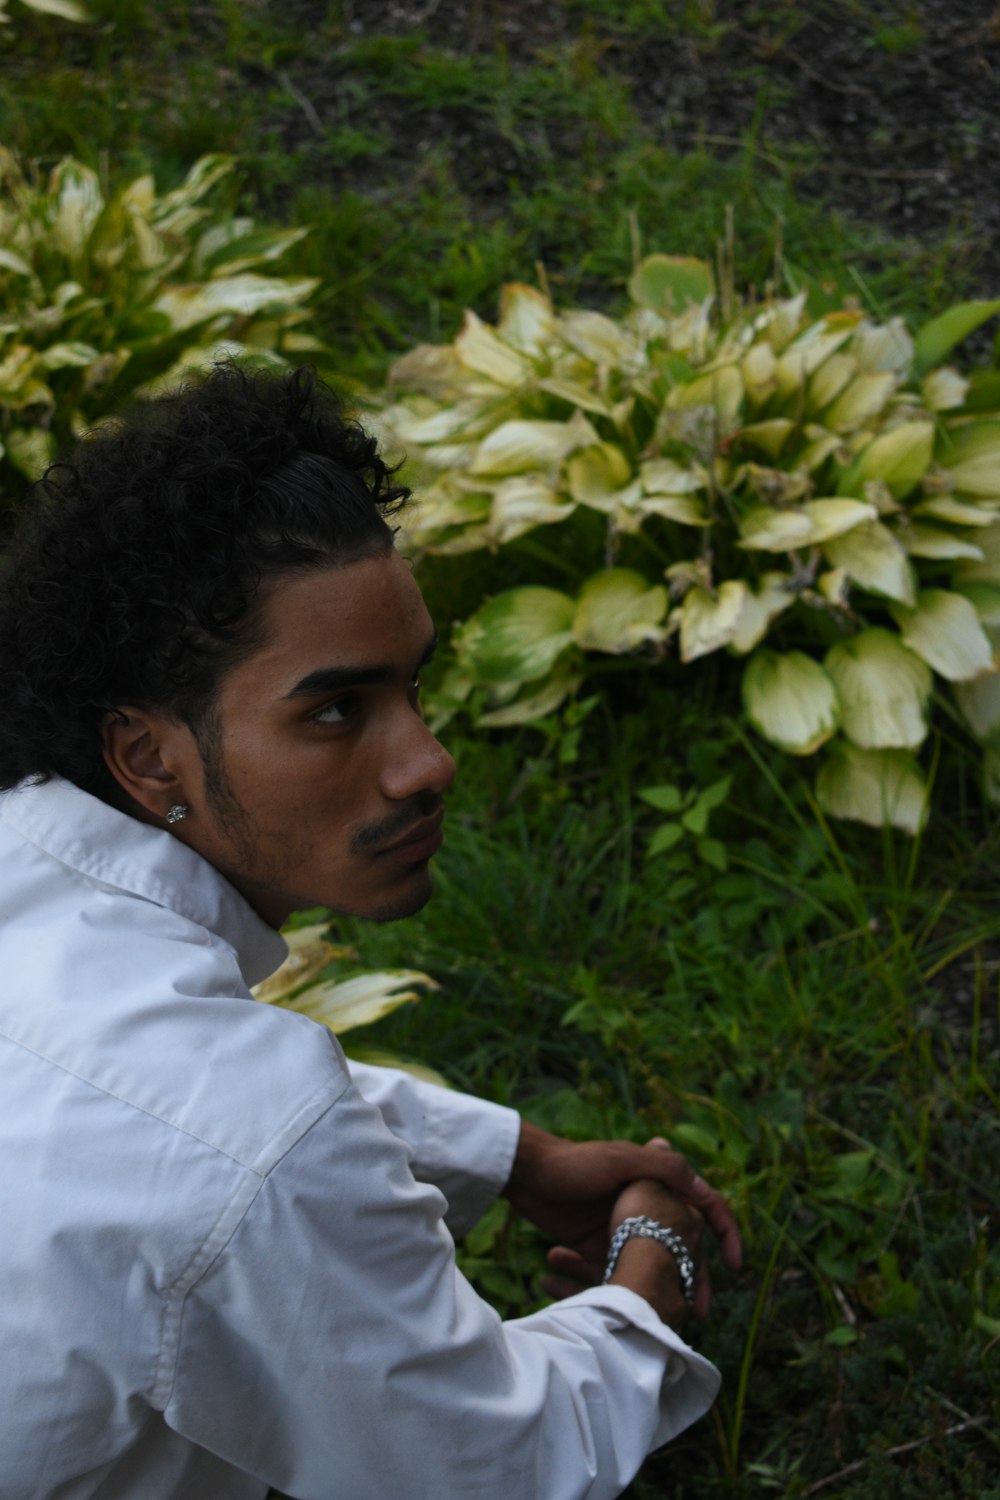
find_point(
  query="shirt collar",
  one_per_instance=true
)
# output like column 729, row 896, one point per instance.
column 98, row 841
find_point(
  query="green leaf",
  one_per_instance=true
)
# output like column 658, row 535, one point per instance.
column 665, row 798
column 695, row 820
column 516, row 636
column 670, row 283
column 713, row 853
column 936, row 339
column 665, row 838
column 716, row 794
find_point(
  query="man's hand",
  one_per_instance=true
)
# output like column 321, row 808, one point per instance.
column 570, row 1189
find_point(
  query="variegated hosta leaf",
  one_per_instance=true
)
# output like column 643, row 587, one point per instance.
column 766, row 530
column 520, row 445
column 944, row 629
column 979, row 702
column 520, row 504
column 709, row 620
column 899, row 457
column 781, row 321
column 772, row 596
column 933, row 542
column 516, row 636
column 769, row 436
column 832, row 377
column 67, row 10
column 790, row 701
column 863, row 399
column 601, row 340
column 884, row 347
column 78, row 204
column 877, row 787
column 883, row 690
column 527, row 321
column 243, row 295
column 534, row 701
column 875, row 560
column 618, row 611
column 988, row 570
column 984, row 598
column 664, row 476
column 972, row 459
column 806, row 353
column 958, row 512
column 944, row 389
column 360, row 1001
column 596, row 474
column 480, row 349
column 759, row 378
column 721, row 389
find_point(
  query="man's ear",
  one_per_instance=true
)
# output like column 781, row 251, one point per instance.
column 144, row 751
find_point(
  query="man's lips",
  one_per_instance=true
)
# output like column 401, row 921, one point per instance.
column 419, row 842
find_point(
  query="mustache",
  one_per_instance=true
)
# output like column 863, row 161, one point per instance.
column 390, row 830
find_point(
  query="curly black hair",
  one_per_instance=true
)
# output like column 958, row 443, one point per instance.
column 133, row 578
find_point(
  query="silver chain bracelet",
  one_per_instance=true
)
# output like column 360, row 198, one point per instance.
column 644, row 1228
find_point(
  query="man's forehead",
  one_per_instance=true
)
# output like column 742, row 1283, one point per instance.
column 365, row 612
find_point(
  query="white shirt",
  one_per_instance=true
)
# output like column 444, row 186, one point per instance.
column 224, row 1262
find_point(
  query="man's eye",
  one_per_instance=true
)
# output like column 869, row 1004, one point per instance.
column 337, row 712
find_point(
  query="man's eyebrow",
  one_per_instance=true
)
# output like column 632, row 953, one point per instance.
column 336, row 679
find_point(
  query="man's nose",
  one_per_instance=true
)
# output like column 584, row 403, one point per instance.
column 422, row 764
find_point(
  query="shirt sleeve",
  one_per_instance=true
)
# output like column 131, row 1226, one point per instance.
column 463, row 1145
column 332, row 1349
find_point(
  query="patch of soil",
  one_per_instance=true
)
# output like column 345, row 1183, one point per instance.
column 890, row 110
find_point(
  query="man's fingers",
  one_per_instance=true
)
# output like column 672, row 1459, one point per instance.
column 571, row 1263
column 677, row 1174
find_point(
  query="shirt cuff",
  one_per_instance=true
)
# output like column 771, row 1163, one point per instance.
column 681, row 1382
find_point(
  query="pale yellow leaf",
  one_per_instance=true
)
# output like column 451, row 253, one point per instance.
column 618, row 611
column 878, row 787
column 790, row 701
column 875, row 559
column 883, row 690
column 944, row 629
column 710, row 620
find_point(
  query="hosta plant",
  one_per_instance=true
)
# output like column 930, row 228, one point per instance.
column 819, row 496
column 66, row 10
column 104, row 295
column 306, row 983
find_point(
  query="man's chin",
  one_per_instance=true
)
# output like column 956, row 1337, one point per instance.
column 401, row 906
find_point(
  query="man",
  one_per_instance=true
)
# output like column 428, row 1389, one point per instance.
column 227, row 1260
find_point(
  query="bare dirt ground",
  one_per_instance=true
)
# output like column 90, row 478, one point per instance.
column 892, row 109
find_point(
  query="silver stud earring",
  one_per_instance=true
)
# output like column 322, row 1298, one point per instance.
column 177, row 812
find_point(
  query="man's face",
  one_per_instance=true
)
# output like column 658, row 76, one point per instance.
column 323, row 785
